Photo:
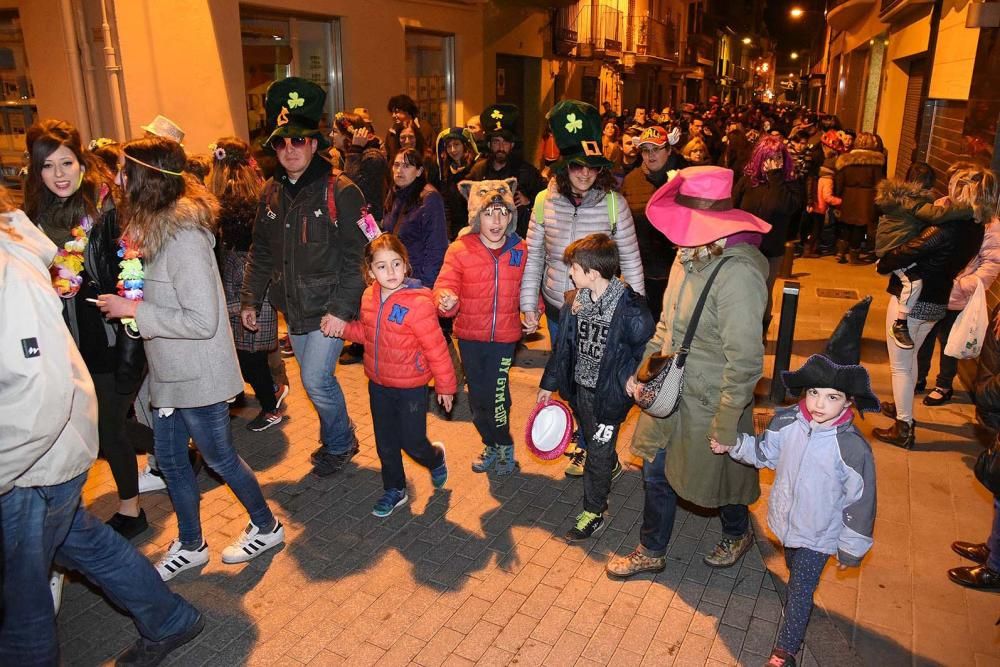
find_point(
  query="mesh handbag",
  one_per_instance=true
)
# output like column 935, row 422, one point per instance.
column 662, row 375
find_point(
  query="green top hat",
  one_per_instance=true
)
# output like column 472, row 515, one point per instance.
column 500, row 120
column 294, row 108
column 576, row 127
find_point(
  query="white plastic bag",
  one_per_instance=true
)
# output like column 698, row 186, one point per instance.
column 969, row 331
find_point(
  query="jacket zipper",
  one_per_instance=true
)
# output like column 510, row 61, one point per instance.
column 572, row 237
column 496, row 289
column 798, row 476
column 378, row 326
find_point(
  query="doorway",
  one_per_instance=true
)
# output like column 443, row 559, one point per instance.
column 519, row 81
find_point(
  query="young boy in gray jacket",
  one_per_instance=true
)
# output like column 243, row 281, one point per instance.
column 822, row 502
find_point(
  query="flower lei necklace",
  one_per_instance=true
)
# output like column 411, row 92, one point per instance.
column 130, row 281
column 67, row 266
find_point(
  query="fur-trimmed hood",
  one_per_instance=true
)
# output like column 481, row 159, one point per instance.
column 196, row 208
column 892, row 194
column 861, row 156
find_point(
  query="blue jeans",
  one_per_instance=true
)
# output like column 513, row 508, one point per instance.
column 317, row 355
column 209, row 427
column 46, row 522
column 659, row 509
column 993, row 542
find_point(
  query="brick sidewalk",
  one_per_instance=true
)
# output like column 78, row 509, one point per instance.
column 478, row 572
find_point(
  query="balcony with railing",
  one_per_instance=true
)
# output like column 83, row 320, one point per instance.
column 589, row 31
column 565, row 35
column 892, row 11
column 842, row 14
column 654, row 40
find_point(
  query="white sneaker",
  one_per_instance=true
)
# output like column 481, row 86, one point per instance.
column 177, row 560
column 56, row 588
column 150, row 481
column 252, row 543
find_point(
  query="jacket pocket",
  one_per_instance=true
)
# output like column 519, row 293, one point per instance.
column 314, row 292
column 173, row 360
column 316, row 229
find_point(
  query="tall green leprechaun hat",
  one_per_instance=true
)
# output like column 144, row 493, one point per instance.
column 501, row 120
column 576, row 127
column 294, row 107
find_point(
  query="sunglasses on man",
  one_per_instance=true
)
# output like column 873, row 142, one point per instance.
column 281, row 143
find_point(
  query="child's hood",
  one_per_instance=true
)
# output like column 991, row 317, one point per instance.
column 893, row 195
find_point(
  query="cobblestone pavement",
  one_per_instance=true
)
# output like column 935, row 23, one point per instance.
column 478, row 572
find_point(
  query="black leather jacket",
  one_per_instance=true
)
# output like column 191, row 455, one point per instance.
column 631, row 328
column 127, row 359
column 940, row 252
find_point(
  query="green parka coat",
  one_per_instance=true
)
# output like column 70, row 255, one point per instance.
column 725, row 362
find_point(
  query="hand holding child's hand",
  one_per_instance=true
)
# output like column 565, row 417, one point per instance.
column 631, row 386
column 717, row 447
column 543, row 396
column 530, row 325
column 446, row 300
column 445, row 401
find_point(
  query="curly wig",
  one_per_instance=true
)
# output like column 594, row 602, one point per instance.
column 769, row 146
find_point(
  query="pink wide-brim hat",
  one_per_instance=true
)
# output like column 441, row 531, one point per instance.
column 695, row 208
column 549, row 428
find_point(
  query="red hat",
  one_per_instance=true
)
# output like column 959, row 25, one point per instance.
column 653, row 135
column 695, row 208
column 549, row 428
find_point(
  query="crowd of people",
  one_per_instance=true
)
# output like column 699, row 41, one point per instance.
column 156, row 281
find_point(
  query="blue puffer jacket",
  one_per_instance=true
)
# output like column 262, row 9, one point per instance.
column 823, row 496
column 423, row 231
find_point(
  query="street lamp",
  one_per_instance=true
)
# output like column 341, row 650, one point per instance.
column 796, row 12
column 747, row 40
column 794, row 55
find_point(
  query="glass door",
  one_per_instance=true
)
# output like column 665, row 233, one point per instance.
column 430, row 77
column 277, row 46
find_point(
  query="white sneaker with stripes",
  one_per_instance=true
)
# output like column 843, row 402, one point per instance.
column 252, row 543
column 177, row 560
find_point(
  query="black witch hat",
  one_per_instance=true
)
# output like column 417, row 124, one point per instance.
column 839, row 367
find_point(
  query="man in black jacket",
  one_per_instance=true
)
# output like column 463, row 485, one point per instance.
column 308, row 245
column 502, row 162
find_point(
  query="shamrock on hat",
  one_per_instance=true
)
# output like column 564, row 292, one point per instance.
column 294, row 107
column 500, row 120
column 576, row 127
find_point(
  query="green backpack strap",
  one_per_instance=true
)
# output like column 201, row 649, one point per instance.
column 611, row 202
column 539, row 207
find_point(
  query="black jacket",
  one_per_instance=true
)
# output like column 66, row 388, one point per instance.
column 987, row 387
column 367, row 167
column 777, row 202
column 312, row 263
column 656, row 250
column 126, row 357
column 631, row 328
column 529, row 182
column 940, row 252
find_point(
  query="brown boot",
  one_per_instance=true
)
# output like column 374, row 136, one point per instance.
column 900, row 434
column 842, row 252
column 638, row 561
column 811, row 249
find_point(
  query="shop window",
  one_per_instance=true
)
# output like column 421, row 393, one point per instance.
column 278, row 46
column 17, row 100
column 430, row 77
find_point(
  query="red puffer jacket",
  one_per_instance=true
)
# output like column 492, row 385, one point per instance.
column 404, row 346
column 488, row 288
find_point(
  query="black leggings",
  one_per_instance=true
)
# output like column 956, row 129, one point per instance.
column 255, row 370
column 112, row 409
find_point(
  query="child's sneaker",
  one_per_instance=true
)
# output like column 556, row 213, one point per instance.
column 780, row 658
column 389, row 501
column 178, row 560
column 587, row 523
column 252, row 543
column 617, row 471
column 577, row 460
column 900, row 335
column 440, row 474
column 56, row 588
column 506, row 464
column 486, row 459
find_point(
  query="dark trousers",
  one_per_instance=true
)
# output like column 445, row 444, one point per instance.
column 487, row 371
column 947, row 366
column 660, row 508
column 601, row 453
column 112, row 410
column 853, row 234
column 400, row 420
column 805, row 566
column 256, row 371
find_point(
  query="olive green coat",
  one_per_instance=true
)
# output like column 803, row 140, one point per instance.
column 725, row 362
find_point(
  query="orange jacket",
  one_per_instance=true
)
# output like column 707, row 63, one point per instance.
column 488, row 288
column 404, row 346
